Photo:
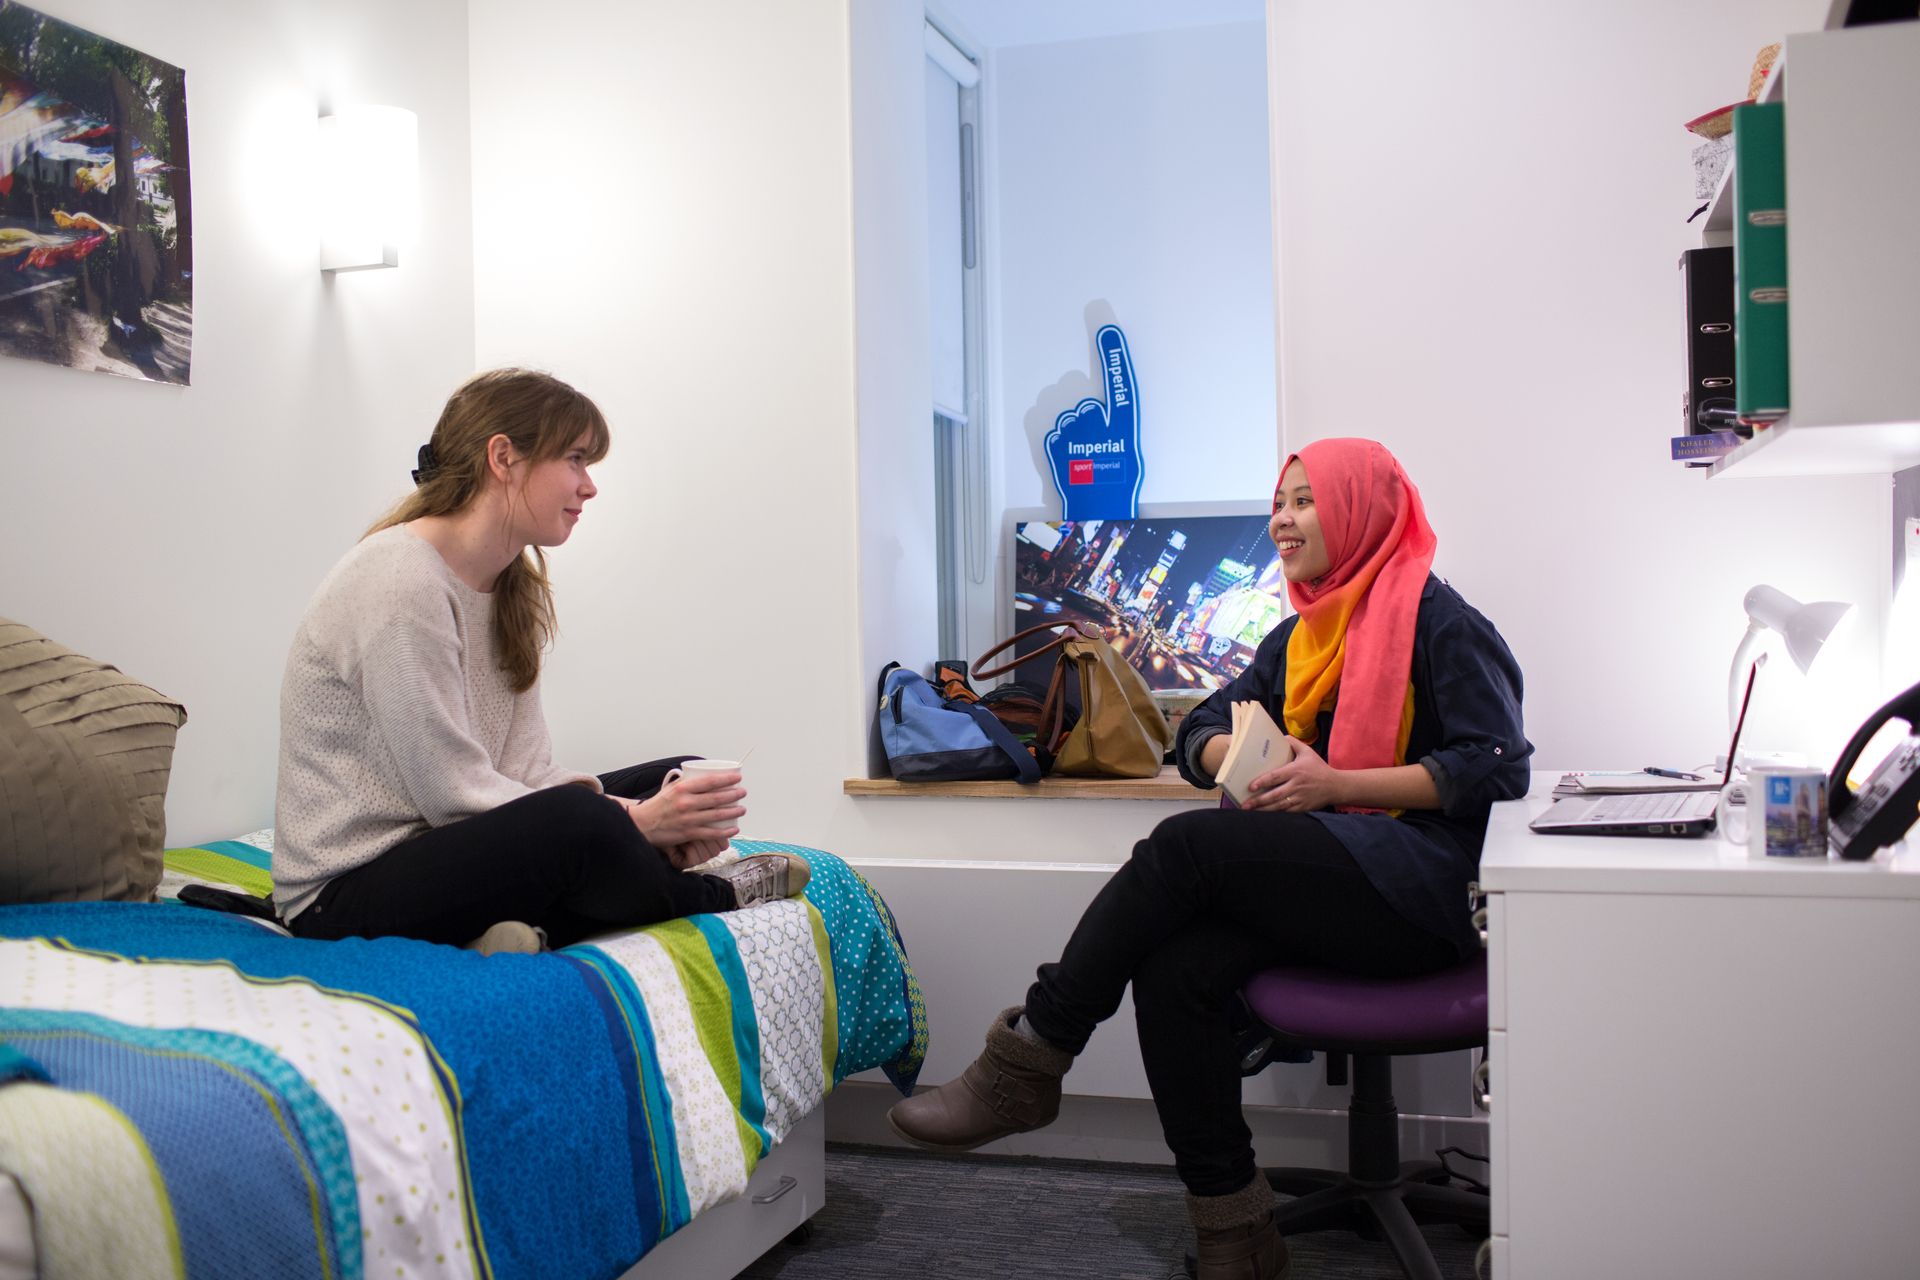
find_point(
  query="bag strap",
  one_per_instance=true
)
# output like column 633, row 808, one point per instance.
column 1053, row 710
column 1068, row 631
column 997, row 734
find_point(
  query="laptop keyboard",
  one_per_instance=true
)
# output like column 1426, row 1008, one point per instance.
column 1649, row 808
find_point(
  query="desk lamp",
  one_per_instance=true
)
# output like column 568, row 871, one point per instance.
column 1805, row 627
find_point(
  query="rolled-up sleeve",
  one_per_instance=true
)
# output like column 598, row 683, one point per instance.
column 1475, row 686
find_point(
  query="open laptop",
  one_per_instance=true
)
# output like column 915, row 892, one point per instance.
column 1660, row 813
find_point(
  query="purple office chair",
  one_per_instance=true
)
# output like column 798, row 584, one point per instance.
column 1374, row 1020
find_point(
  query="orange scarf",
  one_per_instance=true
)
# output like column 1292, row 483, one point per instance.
column 1355, row 634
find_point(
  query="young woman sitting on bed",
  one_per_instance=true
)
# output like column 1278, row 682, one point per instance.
column 417, row 791
column 1402, row 704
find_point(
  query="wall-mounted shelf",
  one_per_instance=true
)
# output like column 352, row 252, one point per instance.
column 1168, row 786
column 1875, row 448
column 1853, row 321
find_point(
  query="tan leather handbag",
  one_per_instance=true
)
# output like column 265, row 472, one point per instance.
column 1120, row 733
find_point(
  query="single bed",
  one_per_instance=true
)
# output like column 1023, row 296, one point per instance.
column 193, row 1093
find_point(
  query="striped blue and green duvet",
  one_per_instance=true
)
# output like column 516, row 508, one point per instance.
column 184, row 1093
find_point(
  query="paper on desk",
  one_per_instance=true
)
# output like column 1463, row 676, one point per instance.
column 1588, row 782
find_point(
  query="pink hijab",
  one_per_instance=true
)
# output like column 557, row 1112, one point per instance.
column 1355, row 634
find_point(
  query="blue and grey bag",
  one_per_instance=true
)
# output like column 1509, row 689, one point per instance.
column 928, row 738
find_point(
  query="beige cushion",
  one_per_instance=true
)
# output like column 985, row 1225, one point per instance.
column 84, row 757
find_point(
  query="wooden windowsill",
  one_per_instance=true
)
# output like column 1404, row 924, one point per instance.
column 1168, row 786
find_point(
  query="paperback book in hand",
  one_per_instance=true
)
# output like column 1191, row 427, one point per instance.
column 1257, row 745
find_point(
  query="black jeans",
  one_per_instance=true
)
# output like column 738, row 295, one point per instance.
column 564, row 859
column 1207, row 900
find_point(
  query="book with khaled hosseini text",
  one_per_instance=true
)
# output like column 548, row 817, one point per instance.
column 1257, row 744
column 1705, row 444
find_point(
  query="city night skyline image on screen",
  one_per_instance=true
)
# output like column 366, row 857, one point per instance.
column 1185, row 601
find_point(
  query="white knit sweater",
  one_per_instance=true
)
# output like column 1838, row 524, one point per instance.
column 395, row 717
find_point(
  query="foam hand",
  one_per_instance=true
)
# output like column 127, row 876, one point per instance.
column 1094, row 448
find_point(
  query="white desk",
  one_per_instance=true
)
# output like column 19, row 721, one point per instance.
column 1701, row 1065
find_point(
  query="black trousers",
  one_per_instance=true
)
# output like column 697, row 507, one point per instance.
column 564, row 859
column 1207, row 900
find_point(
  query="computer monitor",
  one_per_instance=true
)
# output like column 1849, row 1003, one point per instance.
column 1185, row 600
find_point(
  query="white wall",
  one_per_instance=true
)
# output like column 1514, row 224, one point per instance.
column 178, row 532
column 1481, row 208
column 1128, row 182
column 691, row 266
column 893, row 336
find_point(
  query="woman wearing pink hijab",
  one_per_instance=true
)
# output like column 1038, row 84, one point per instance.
column 1402, row 704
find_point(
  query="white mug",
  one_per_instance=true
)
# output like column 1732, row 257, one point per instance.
column 1785, row 814
column 700, row 768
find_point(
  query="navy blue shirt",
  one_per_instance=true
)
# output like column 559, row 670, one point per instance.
column 1466, row 732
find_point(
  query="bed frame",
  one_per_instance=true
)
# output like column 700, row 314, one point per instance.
column 787, row 1188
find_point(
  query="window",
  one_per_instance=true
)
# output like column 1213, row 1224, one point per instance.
column 959, row 420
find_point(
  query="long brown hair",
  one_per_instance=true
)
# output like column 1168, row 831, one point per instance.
column 541, row 416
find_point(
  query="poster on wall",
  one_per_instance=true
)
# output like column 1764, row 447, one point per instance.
column 96, row 220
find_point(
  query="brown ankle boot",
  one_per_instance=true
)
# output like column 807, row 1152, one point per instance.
column 1012, row 1087
column 1236, row 1236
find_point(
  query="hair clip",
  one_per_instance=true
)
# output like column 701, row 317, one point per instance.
column 429, row 465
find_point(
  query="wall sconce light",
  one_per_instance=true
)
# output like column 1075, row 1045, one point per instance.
column 369, row 163
column 1804, row 627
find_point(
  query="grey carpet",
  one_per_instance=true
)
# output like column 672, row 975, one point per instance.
column 896, row 1215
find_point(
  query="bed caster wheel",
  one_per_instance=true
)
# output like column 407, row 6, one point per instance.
column 800, row 1235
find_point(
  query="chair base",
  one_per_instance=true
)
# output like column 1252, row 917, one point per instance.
column 1393, row 1211
column 1378, row 1196
column 1329, row 1201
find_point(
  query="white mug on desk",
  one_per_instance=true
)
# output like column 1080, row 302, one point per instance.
column 1785, row 814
